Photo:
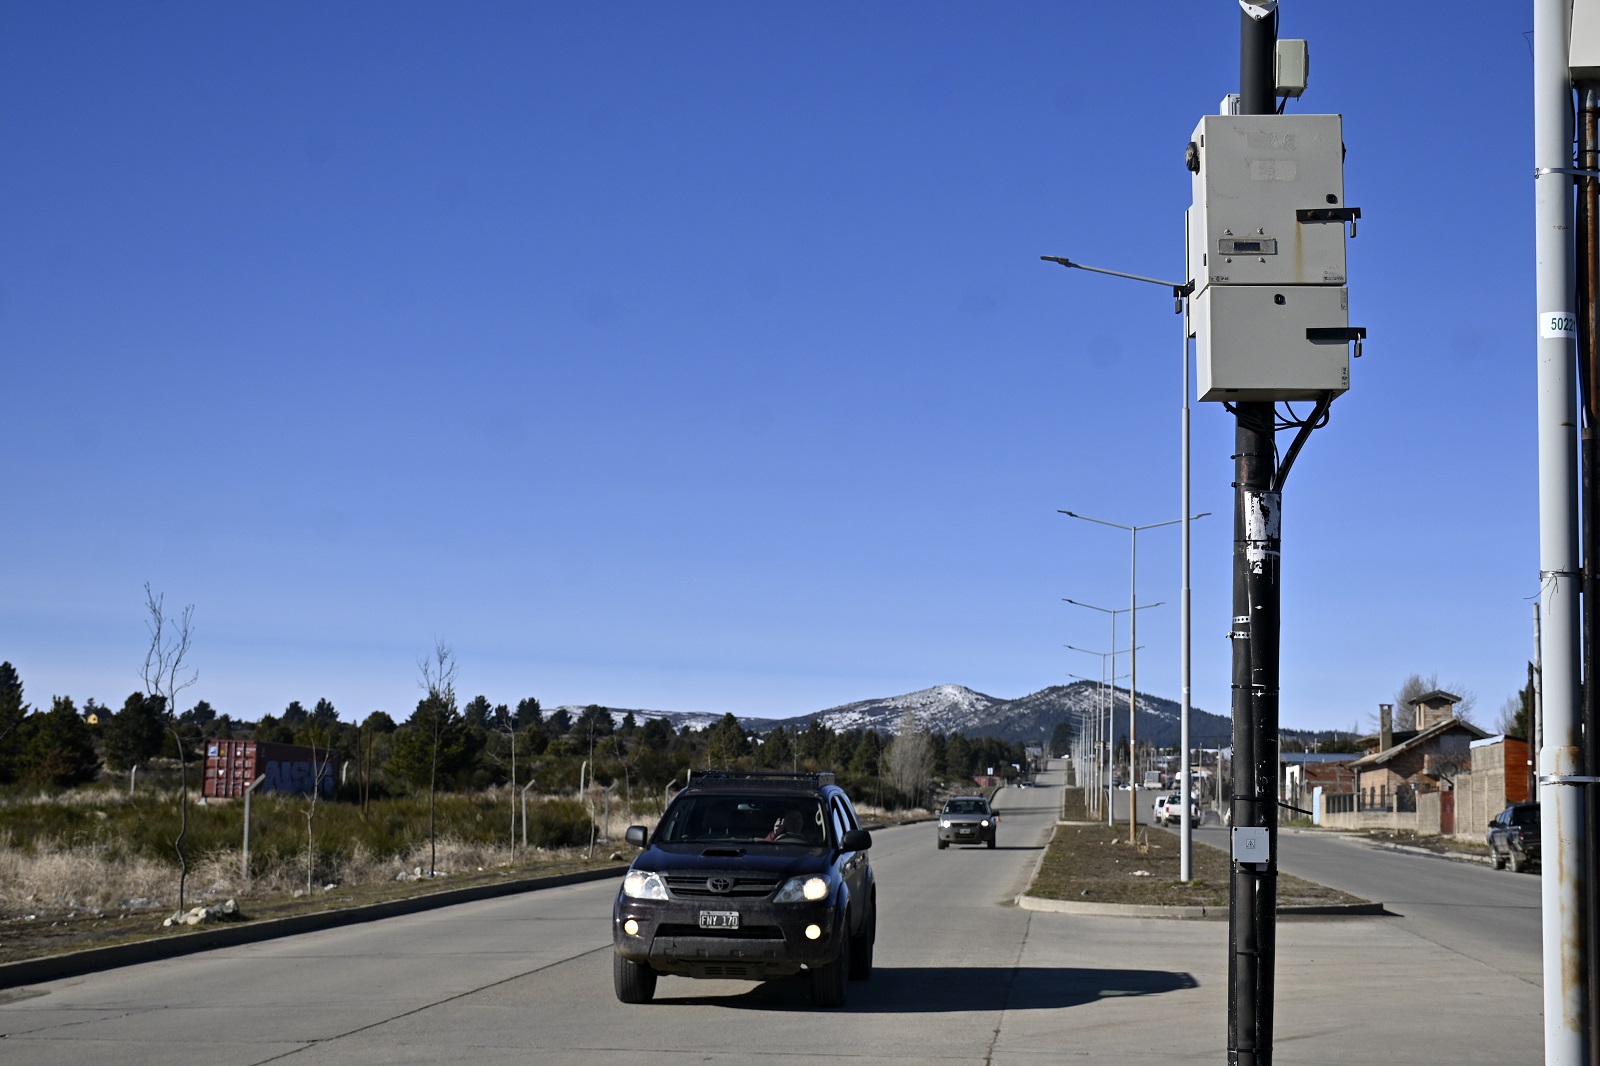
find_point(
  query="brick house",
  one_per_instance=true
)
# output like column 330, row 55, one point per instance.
column 1399, row 763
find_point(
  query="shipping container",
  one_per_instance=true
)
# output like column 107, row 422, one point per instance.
column 231, row 765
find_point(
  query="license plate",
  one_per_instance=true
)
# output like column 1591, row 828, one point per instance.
column 719, row 919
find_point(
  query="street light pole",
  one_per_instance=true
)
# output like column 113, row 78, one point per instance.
column 1180, row 291
column 1110, row 728
column 1133, row 683
column 1103, row 696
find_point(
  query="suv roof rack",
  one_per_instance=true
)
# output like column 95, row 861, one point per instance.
column 765, row 778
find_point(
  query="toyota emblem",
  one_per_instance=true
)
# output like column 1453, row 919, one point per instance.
column 720, row 885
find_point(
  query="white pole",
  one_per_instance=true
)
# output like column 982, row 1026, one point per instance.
column 1561, row 762
column 525, row 813
column 1133, row 685
column 1111, row 730
column 1186, row 823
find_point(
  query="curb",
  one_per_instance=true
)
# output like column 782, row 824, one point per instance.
column 1217, row 913
column 170, row 946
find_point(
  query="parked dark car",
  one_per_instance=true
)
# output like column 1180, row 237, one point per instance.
column 1514, row 837
column 750, row 876
column 967, row 820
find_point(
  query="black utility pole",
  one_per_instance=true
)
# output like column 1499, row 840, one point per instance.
column 1253, row 902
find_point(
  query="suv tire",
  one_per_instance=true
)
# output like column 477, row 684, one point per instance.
column 861, row 947
column 943, row 844
column 991, row 842
column 1497, row 860
column 635, row 981
column 828, row 982
column 1518, row 863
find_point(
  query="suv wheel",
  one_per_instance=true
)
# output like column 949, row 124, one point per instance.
column 635, row 981
column 1518, row 862
column 1497, row 860
column 943, row 843
column 828, row 982
column 991, row 841
column 861, row 947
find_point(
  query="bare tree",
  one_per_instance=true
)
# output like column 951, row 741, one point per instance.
column 1416, row 685
column 439, row 682
column 1448, row 765
column 320, row 734
column 910, row 758
column 164, row 677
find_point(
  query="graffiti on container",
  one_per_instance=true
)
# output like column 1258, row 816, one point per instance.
column 294, row 778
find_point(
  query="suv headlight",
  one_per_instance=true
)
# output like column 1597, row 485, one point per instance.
column 985, row 823
column 639, row 885
column 944, row 823
column 808, row 889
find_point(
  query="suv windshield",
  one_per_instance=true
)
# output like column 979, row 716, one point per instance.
column 716, row 819
column 966, row 807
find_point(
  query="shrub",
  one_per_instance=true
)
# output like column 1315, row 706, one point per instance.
column 558, row 823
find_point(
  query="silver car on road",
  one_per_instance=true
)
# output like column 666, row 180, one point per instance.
column 967, row 820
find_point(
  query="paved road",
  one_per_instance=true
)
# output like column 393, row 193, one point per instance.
column 962, row 977
column 1487, row 915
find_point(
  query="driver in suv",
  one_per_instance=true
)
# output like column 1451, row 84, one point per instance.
column 749, row 876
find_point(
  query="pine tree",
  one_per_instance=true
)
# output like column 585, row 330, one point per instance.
column 12, row 713
column 60, row 751
column 136, row 733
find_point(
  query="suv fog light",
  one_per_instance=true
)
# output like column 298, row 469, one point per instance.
column 630, row 927
column 813, row 932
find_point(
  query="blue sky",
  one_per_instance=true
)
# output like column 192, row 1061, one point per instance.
column 699, row 356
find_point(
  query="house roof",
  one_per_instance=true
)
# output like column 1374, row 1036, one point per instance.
column 1436, row 694
column 1378, row 758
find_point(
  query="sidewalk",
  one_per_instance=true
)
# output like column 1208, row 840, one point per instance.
column 1350, row 992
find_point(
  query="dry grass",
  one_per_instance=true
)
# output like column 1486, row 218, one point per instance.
column 1097, row 864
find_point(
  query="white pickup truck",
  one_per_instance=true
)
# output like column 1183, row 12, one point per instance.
column 1169, row 809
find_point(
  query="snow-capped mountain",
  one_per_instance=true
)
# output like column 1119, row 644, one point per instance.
column 941, row 709
column 958, row 709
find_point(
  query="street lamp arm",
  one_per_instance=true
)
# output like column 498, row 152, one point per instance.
column 1097, row 521
column 1108, row 610
column 1179, row 288
column 1131, row 529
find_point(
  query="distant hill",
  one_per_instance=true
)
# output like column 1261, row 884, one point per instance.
column 958, row 709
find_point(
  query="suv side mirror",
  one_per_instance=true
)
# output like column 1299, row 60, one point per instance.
column 638, row 835
column 856, row 840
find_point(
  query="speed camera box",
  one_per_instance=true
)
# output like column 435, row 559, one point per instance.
column 1268, row 190
column 1269, row 342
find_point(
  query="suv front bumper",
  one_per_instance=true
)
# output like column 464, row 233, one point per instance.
column 770, row 942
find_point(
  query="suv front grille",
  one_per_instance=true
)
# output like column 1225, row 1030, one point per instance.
column 740, row 886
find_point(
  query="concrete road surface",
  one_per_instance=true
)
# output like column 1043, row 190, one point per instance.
column 962, row 976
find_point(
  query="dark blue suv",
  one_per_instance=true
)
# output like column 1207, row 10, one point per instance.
column 748, row 876
column 1514, row 837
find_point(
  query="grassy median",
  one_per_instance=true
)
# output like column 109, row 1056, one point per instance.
column 1095, row 863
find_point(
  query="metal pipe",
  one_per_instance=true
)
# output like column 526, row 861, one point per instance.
column 1561, row 762
column 244, row 866
column 1186, row 823
column 1589, row 398
column 525, row 813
